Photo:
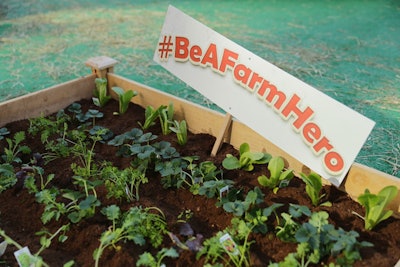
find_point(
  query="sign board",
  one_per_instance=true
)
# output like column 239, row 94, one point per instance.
column 315, row 129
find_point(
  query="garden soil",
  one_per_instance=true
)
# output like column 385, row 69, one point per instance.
column 20, row 213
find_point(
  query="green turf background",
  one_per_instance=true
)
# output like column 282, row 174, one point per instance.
column 348, row 49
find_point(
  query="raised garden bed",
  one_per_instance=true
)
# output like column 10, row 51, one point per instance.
column 21, row 213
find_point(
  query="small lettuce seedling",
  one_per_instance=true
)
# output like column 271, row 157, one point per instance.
column 278, row 177
column 166, row 115
column 180, row 128
column 124, row 99
column 100, row 93
column 150, row 115
column 375, row 205
column 246, row 159
column 313, row 188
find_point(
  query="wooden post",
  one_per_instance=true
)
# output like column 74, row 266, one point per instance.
column 220, row 137
column 101, row 65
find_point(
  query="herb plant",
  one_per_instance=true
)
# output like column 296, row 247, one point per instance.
column 124, row 98
column 246, row 160
column 100, row 93
column 15, row 148
column 278, row 177
column 375, row 205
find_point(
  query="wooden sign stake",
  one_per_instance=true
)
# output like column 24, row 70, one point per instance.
column 220, row 137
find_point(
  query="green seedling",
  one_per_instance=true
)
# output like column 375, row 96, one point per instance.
column 375, row 206
column 278, row 177
column 166, row 115
column 150, row 115
column 8, row 177
column 124, row 98
column 246, row 160
column 146, row 259
column 15, row 148
column 137, row 225
column 100, row 98
column 180, row 128
column 313, row 189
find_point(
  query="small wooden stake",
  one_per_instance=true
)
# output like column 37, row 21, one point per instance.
column 218, row 142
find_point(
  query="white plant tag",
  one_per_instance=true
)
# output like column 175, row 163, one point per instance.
column 3, row 247
column 228, row 244
column 23, row 256
column 223, row 191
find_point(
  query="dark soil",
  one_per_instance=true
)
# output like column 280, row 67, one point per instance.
column 20, row 213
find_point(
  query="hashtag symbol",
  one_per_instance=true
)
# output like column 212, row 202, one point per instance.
column 164, row 47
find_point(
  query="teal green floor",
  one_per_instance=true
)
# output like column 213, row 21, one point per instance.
column 349, row 50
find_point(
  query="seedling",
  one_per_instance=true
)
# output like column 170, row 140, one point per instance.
column 313, row 188
column 278, row 177
column 375, row 206
column 135, row 225
column 15, row 148
column 166, row 115
column 150, row 115
column 246, row 160
column 146, row 259
column 100, row 93
column 180, row 128
column 8, row 177
column 124, row 99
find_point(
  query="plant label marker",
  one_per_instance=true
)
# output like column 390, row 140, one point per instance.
column 223, row 191
column 22, row 255
column 229, row 244
column 313, row 128
column 3, row 247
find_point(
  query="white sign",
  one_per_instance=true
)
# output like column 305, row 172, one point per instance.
column 315, row 129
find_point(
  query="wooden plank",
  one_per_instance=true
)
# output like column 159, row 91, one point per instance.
column 47, row 101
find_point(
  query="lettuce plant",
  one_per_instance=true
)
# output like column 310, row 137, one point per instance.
column 180, row 128
column 375, row 205
column 246, row 160
column 124, row 98
column 100, row 93
column 166, row 115
column 150, row 115
column 313, row 189
column 278, row 177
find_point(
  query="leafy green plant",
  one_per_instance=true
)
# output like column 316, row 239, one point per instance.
column 180, row 129
column 313, row 189
column 100, row 98
column 246, row 160
column 7, row 176
column 123, row 183
column 15, row 148
column 166, row 115
column 135, row 225
column 124, row 98
column 317, row 239
column 237, row 249
column 146, row 259
column 26, row 259
column 278, row 177
column 375, row 206
column 212, row 188
column 150, row 115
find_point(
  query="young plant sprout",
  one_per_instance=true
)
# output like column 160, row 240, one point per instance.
column 100, row 98
column 124, row 99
